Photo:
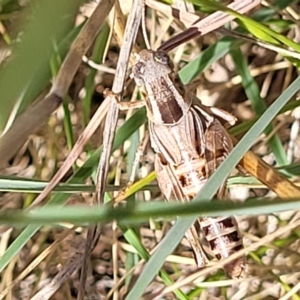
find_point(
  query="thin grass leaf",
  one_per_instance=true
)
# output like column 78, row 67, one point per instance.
column 243, row 181
column 281, row 4
column 258, row 104
column 293, row 169
column 21, row 185
column 68, row 127
column 207, row 58
column 97, row 57
column 245, row 126
column 17, row 245
column 137, row 186
column 135, row 241
column 126, row 214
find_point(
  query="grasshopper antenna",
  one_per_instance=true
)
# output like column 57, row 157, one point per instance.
column 144, row 31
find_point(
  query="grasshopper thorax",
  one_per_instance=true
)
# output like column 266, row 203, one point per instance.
column 166, row 101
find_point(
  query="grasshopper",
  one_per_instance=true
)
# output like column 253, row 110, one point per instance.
column 208, row 120
column 190, row 143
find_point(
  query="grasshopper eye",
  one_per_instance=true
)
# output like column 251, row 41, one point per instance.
column 139, row 69
column 161, row 57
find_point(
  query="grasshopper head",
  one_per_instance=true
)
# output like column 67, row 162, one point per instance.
column 150, row 65
column 165, row 95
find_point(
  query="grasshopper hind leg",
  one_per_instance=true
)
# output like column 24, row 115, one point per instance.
column 194, row 238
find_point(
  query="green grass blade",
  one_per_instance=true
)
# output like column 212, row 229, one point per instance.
column 17, row 245
column 243, row 127
column 258, row 104
column 135, row 241
column 206, row 59
column 97, row 57
column 141, row 212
